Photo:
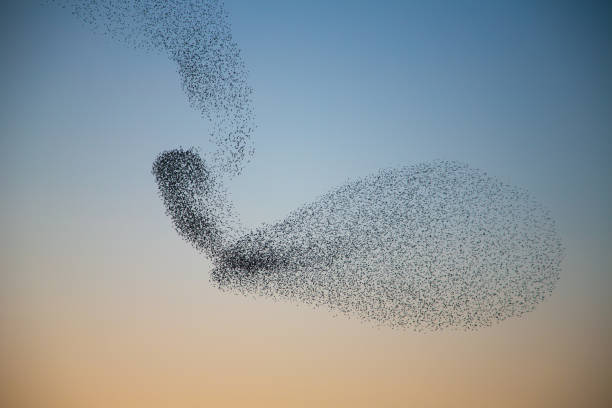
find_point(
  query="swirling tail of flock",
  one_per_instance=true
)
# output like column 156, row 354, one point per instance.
column 196, row 35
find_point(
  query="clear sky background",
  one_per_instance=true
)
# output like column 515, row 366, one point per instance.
column 102, row 304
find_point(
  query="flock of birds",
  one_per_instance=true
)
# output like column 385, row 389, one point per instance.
column 431, row 246
column 196, row 35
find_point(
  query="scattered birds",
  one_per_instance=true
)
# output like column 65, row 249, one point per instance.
column 431, row 246
column 197, row 36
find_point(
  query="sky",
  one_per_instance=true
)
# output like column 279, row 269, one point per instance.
column 102, row 304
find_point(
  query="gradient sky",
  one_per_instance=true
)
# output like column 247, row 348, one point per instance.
column 102, row 304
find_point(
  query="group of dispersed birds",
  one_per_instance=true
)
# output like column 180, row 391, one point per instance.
column 196, row 35
column 431, row 246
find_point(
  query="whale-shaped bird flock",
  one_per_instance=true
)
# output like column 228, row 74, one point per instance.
column 430, row 246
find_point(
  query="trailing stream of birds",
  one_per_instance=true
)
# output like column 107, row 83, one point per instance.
column 430, row 246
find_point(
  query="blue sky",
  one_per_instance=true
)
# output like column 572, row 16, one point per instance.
column 341, row 89
column 521, row 90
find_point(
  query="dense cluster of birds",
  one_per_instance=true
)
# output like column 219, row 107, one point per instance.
column 431, row 246
column 197, row 36
column 196, row 201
